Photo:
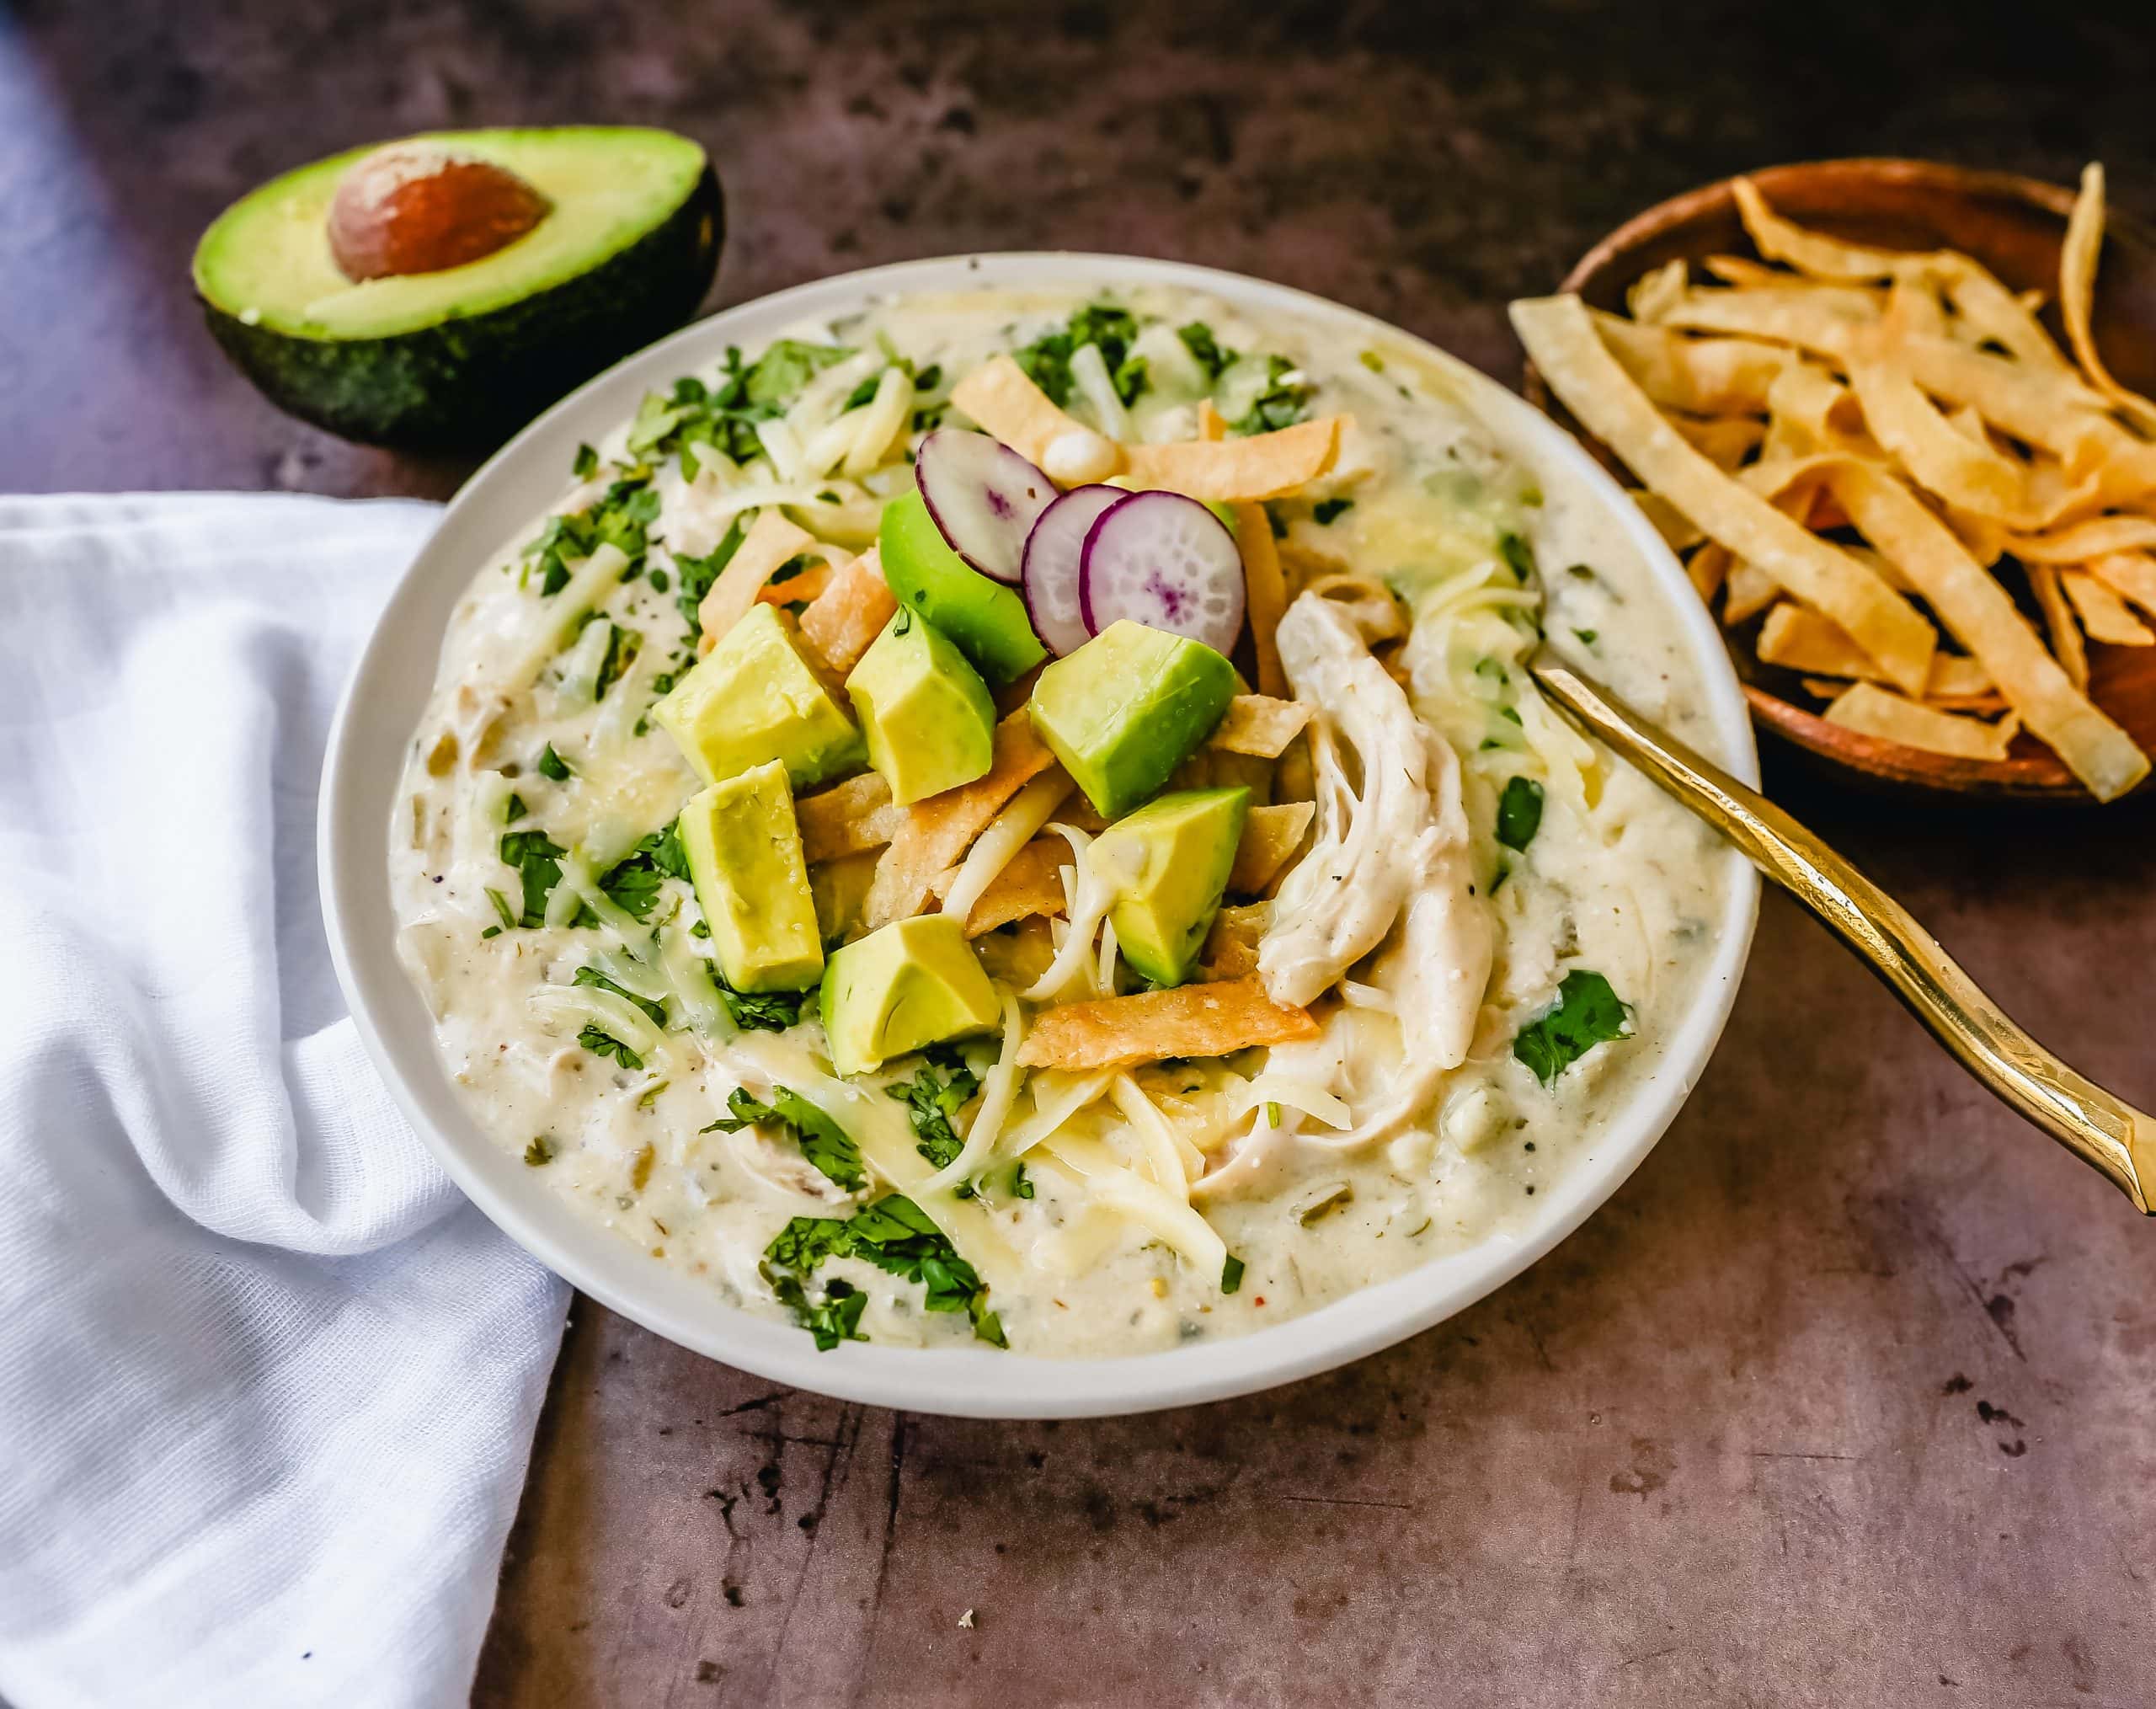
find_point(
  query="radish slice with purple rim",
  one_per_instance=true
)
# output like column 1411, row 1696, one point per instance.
column 1050, row 573
column 983, row 497
column 1166, row 561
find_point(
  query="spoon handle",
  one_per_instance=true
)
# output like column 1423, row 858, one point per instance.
column 2106, row 1133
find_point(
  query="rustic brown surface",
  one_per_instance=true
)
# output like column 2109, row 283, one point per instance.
column 1843, row 1400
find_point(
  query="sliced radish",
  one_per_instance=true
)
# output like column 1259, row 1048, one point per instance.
column 983, row 497
column 1166, row 561
column 1050, row 568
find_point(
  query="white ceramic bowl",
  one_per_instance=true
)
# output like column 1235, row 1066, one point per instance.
column 382, row 709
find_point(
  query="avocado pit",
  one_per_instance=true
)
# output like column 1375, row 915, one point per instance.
column 421, row 208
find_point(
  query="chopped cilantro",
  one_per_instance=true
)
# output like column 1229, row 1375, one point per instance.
column 835, row 1318
column 1231, row 1274
column 1326, row 510
column 540, row 1151
column 1372, row 360
column 1518, row 556
column 513, row 808
column 698, row 573
column 1519, row 812
column 1278, row 404
column 592, row 977
column 586, row 464
column 634, row 881
column 1047, row 360
column 822, row 1141
column 894, row 1234
column 1209, row 354
column 502, row 907
column 1586, row 1013
column 553, row 765
column 620, row 518
column 769, row 1012
column 788, row 365
column 600, row 1042
column 929, row 378
column 538, row 861
column 865, row 393
column 1586, row 637
column 931, row 1100
column 622, row 646
column 1021, row 1186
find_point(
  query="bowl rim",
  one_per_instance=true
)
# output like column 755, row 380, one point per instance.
column 395, row 674
column 2026, row 780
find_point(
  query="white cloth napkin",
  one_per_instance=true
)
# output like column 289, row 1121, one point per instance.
column 267, row 1384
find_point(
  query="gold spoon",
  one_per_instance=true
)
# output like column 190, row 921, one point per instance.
column 2106, row 1133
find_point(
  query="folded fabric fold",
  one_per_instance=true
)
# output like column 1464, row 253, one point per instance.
column 267, row 1383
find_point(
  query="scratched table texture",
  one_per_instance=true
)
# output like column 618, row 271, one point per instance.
column 1846, row 1398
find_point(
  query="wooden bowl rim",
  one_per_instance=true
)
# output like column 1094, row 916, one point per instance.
column 2042, row 777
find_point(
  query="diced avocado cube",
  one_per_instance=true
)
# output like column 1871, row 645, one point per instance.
column 753, row 697
column 915, row 983
column 1128, row 707
column 986, row 619
column 745, row 859
column 924, row 710
column 1169, row 862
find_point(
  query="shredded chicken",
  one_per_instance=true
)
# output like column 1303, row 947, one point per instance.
column 1391, row 851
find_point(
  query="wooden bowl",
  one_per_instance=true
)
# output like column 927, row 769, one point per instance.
column 2014, row 226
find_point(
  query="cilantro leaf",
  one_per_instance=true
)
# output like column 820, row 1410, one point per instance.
column 835, row 1318
column 768, row 1012
column 601, row 1043
column 592, row 977
column 1519, row 812
column 1518, row 556
column 1231, row 1274
column 896, row 1236
column 788, row 365
column 635, row 881
column 553, row 765
column 507, row 914
column 1047, row 360
column 1326, row 511
column 537, row 859
column 586, row 464
column 931, row 1101
column 698, row 573
column 1021, row 1186
column 822, row 1141
column 1586, row 1013
column 540, row 1151
column 1211, row 356
column 1277, row 405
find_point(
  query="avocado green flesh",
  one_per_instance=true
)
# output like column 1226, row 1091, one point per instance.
column 924, row 713
column 744, row 849
column 1169, row 861
column 986, row 619
column 915, row 983
column 753, row 697
column 465, row 356
column 1128, row 707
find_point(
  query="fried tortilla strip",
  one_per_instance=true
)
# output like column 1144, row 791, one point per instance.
column 1980, row 613
column 1708, row 568
column 1655, row 290
column 1675, row 527
column 850, row 612
column 938, row 831
column 1827, row 319
column 1238, row 470
column 1813, row 251
column 1748, row 591
column 847, row 818
column 1801, row 640
column 1259, row 724
column 840, row 891
column 1742, row 270
column 1192, row 1020
column 1271, row 835
column 1938, row 455
column 1030, row 883
column 1230, row 950
column 2100, row 537
column 1724, row 440
column 766, row 548
column 998, row 395
column 2076, row 297
column 2131, row 574
column 1989, row 312
column 2102, row 612
column 2059, row 620
column 1702, row 376
column 1873, row 712
column 1561, row 338
column 2054, row 411
column 1265, row 593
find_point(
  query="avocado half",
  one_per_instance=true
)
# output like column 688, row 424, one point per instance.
column 462, row 357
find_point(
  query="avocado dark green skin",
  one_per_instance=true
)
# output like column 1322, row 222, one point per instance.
column 469, row 383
